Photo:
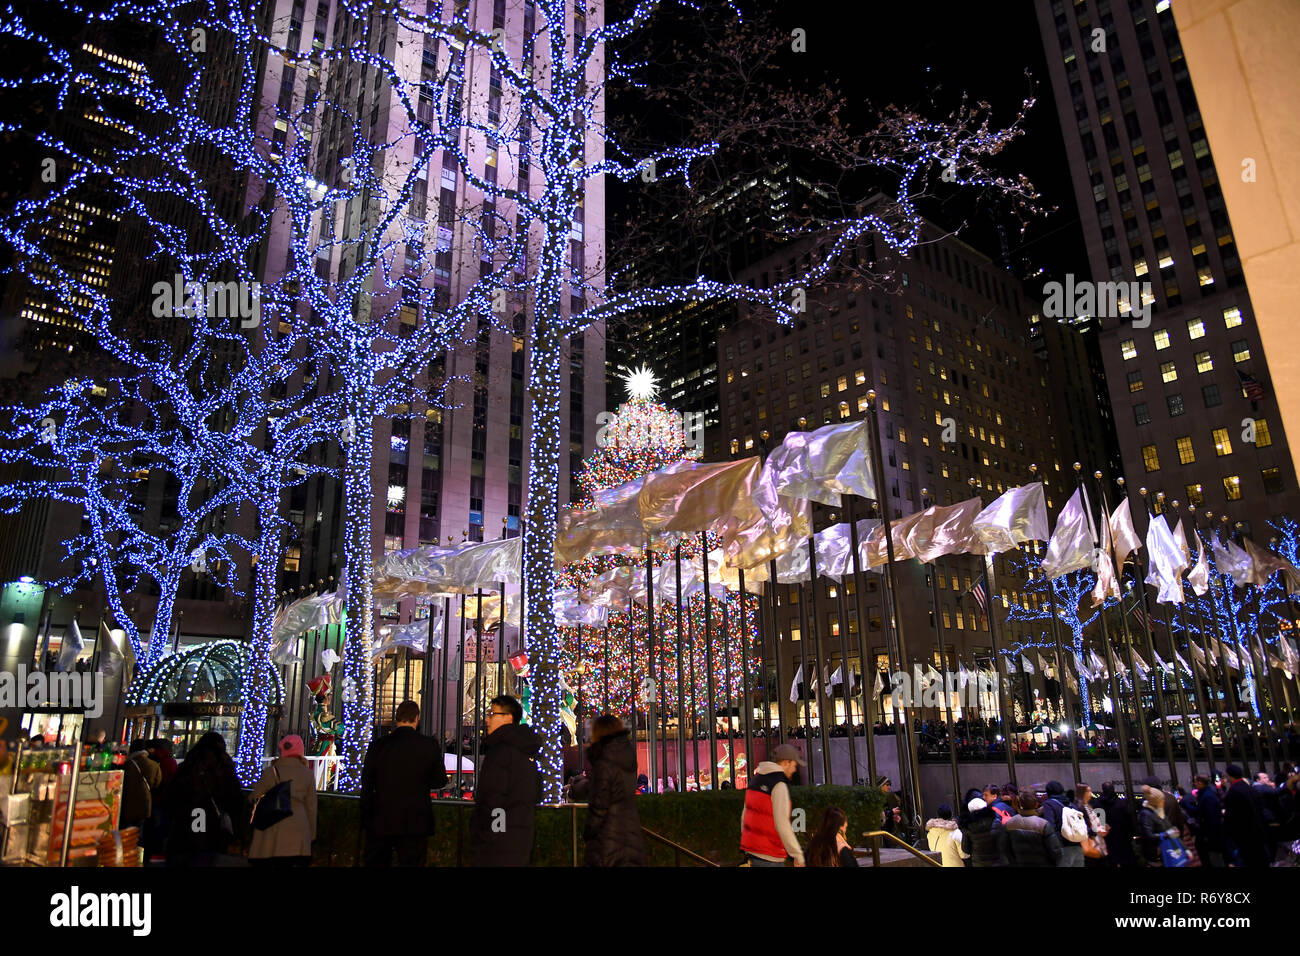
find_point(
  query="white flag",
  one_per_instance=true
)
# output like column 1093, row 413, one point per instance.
column 794, row 687
column 1025, row 664
column 880, row 684
column 1071, row 546
column 73, row 645
column 1017, row 516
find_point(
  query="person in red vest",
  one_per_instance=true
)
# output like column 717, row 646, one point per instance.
column 766, row 836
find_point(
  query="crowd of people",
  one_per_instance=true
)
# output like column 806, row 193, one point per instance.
column 1231, row 822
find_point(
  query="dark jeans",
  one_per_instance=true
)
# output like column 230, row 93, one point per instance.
column 411, row 850
column 759, row 861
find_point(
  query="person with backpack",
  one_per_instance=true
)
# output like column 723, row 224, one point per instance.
column 1161, row 842
column 613, row 831
column 1053, row 804
column 1000, row 800
column 1083, row 836
column 1115, row 813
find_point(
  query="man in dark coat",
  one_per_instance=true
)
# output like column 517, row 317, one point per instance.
column 613, row 830
column 1123, row 826
column 1207, row 822
column 507, row 789
column 398, row 778
column 1243, row 824
column 1054, row 804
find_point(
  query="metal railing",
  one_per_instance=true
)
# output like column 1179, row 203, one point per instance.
column 875, row 836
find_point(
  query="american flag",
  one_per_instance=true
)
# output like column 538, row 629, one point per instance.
column 1140, row 614
column 1250, row 385
column 977, row 591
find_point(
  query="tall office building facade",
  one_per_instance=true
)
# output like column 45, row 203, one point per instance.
column 1194, row 404
column 454, row 472
column 949, row 356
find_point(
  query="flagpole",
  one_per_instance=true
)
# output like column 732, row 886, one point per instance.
column 1008, row 725
column 745, row 680
column 927, row 502
column 460, row 703
column 1182, row 693
column 1207, row 734
column 1269, row 713
column 817, row 659
column 771, row 593
column 1230, row 614
column 807, row 681
column 846, row 678
column 726, row 680
column 708, row 658
column 1157, row 692
column 859, row 594
column 653, row 758
column 1139, row 711
column 1204, row 648
column 1277, row 627
column 1060, row 667
column 1117, row 710
column 681, row 679
column 442, row 684
column 909, row 763
column 1229, row 689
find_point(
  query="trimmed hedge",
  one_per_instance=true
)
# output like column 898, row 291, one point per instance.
column 705, row 823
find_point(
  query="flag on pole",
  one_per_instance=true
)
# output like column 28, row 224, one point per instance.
column 880, row 684
column 1025, row 665
column 836, row 678
column 1251, row 386
column 1043, row 665
column 1137, row 612
column 1011, row 665
column 1123, row 533
column 1141, row 665
column 794, row 687
column 1199, row 576
column 1186, row 667
column 977, row 592
column 73, row 645
column 1071, row 545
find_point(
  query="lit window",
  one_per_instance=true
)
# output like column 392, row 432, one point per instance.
column 1232, row 487
column 1186, row 454
column 1149, row 458
column 884, row 403
column 749, row 443
column 860, row 377
column 826, row 389
column 1272, row 480
column 1262, row 438
column 735, row 446
column 842, row 383
column 1222, row 443
column 1195, row 328
column 844, row 409
column 1162, row 340
column 1195, row 494
column 862, row 403
column 1204, row 363
column 1135, row 381
column 1241, row 351
column 1129, row 348
column 1231, row 317
column 1168, row 373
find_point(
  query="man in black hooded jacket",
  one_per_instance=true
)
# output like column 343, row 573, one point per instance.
column 507, row 789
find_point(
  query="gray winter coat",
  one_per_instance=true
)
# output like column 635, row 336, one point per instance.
column 292, row 836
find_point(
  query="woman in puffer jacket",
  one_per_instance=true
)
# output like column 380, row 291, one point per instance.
column 980, row 833
column 942, row 835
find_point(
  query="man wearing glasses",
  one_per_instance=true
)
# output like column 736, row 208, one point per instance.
column 507, row 789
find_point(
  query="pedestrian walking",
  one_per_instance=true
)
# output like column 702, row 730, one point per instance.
column 613, row 831
column 401, row 771
column 1161, row 842
column 1053, row 804
column 1243, row 825
column 507, row 789
column 1082, row 833
column 829, row 845
column 141, row 779
column 203, row 804
column 892, row 818
column 1115, row 813
column 1206, row 822
column 288, row 842
column 944, row 837
column 1027, row 839
column 766, row 836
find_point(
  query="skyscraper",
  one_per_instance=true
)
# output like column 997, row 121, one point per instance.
column 1194, row 406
